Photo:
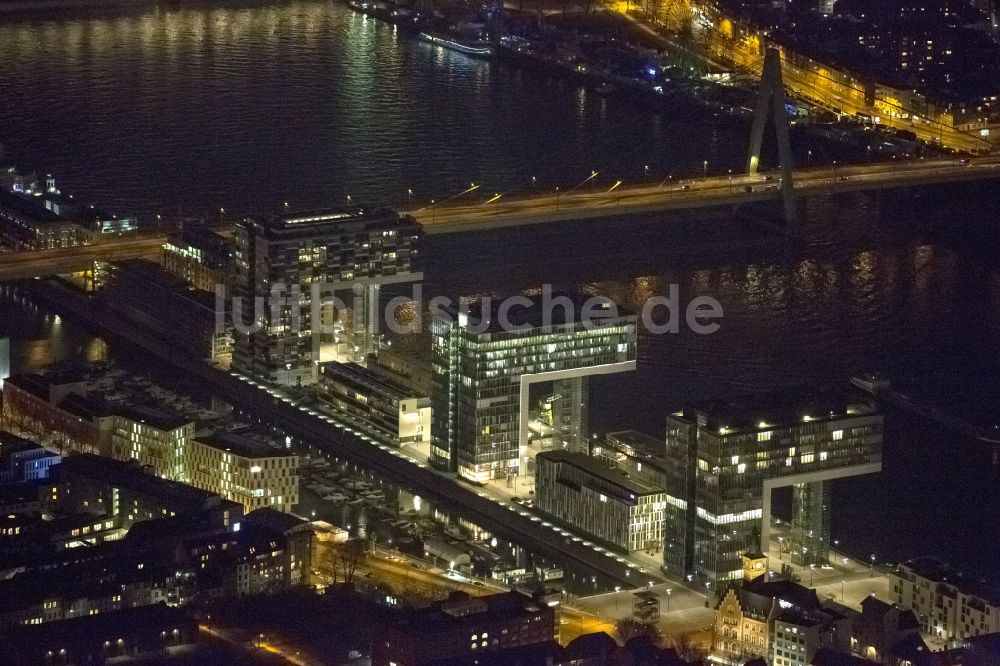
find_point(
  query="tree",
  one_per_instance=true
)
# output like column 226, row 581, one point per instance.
column 687, row 648
column 628, row 628
column 339, row 561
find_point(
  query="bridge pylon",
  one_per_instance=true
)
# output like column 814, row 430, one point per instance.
column 772, row 97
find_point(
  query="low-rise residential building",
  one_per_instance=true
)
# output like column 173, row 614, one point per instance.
column 462, row 626
column 982, row 650
column 24, row 460
column 584, row 492
column 95, row 638
column 399, row 413
column 152, row 437
column 28, row 497
column 887, row 633
column 56, row 407
column 245, row 471
column 778, row 620
column 103, row 486
column 948, row 604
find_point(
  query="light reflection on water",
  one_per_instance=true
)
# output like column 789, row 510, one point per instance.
column 247, row 107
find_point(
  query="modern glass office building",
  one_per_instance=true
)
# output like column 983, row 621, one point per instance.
column 483, row 374
column 600, row 500
column 730, row 455
column 281, row 260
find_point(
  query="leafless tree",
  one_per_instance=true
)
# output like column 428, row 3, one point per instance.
column 629, row 627
column 339, row 561
column 687, row 648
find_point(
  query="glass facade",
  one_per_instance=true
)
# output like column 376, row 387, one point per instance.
column 479, row 371
column 600, row 500
column 280, row 259
column 728, row 458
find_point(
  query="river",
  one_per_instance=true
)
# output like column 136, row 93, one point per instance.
column 196, row 108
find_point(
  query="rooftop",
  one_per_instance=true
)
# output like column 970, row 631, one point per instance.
column 774, row 410
column 460, row 608
column 129, row 475
column 940, row 572
column 157, row 418
column 279, row 521
column 359, row 377
column 25, row 492
column 98, row 627
column 10, row 444
column 595, row 468
column 533, row 311
column 28, row 207
column 38, row 385
column 346, row 219
column 242, row 446
column 206, row 240
column 642, row 445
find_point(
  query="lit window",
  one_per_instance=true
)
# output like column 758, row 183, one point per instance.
column 838, row 435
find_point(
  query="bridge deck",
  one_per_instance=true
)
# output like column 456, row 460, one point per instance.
column 695, row 193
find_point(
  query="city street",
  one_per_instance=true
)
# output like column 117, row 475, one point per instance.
column 681, row 609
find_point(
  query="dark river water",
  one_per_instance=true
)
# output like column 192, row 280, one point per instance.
column 244, row 107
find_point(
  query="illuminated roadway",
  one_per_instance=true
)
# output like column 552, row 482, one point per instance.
column 403, row 573
column 588, row 201
column 36, row 263
column 725, row 44
column 499, row 211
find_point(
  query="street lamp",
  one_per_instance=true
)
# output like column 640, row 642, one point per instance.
column 669, row 591
column 617, row 590
column 348, row 199
column 409, row 192
column 872, row 568
column 645, row 174
column 781, row 556
column 704, row 167
column 842, row 581
column 812, row 573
